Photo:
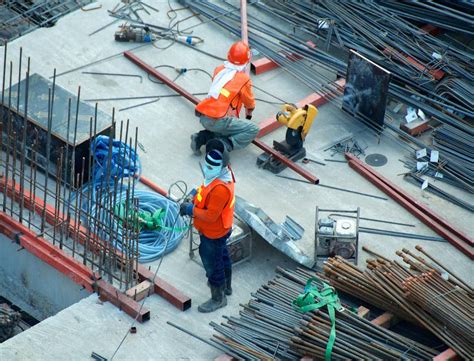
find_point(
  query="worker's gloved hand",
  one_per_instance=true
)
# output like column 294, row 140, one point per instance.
column 248, row 113
column 191, row 195
column 186, row 209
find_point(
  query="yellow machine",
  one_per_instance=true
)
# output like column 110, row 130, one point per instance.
column 299, row 122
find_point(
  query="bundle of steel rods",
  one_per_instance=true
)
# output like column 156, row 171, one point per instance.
column 19, row 17
column 452, row 15
column 270, row 328
column 423, row 291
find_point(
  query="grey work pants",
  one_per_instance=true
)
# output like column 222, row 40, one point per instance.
column 241, row 132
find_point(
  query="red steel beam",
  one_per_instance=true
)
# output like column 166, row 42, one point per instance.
column 277, row 155
column 431, row 29
column 164, row 289
column 427, row 216
column 270, row 124
column 95, row 244
column 264, row 64
column 436, row 73
column 150, row 184
column 70, row 267
column 107, row 292
column 412, row 200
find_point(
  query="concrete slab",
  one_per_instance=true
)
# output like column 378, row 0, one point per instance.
column 164, row 130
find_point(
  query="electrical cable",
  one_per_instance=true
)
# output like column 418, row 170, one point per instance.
column 125, row 163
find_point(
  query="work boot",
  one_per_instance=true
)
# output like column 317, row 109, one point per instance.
column 229, row 146
column 196, row 143
column 228, row 282
column 218, row 300
column 199, row 139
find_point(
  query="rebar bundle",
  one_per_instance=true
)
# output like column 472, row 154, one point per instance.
column 423, row 291
column 19, row 17
column 269, row 327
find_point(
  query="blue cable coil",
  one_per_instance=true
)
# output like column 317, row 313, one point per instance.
column 125, row 163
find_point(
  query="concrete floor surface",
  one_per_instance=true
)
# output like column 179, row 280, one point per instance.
column 164, row 130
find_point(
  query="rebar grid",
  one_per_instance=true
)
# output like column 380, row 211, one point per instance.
column 62, row 203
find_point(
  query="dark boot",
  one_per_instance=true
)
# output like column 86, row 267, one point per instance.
column 196, row 143
column 199, row 139
column 228, row 282
column 229, row 146
column 218, row 300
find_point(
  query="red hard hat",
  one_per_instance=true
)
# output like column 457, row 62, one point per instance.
column 239, row 53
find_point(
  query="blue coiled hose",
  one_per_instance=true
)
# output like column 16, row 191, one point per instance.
column 152, row 244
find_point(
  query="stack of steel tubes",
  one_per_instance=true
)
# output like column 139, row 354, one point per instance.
column 270, row 328
column 423, row 291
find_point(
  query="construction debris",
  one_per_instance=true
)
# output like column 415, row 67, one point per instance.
column 281, row 236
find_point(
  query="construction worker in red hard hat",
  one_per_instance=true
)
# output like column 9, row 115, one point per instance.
column 212, row 207
column 219, row 112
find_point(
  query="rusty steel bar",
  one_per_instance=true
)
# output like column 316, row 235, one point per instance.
column 430, row 218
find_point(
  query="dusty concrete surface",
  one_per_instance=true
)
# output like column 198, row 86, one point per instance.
column 164, row 130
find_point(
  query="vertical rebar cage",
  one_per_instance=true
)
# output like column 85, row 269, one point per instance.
column 54, row 180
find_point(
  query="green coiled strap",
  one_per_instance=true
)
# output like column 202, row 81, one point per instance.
column 313, row 299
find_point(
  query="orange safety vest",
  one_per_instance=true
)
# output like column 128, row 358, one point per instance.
column 228, row 102
column 223, row 224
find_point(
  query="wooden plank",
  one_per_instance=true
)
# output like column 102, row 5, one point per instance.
column 363, row 312
column 140, row 291
column 385, row 320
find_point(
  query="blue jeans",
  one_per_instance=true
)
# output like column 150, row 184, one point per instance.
column 215, row 258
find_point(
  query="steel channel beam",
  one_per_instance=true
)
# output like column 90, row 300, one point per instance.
column 164, row 289
column 267, row 149
column 107, row 292
column 70, row 267
column 415, row 202
column 95, row 244
column 431, row 219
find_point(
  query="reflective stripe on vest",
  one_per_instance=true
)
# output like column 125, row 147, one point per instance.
column 218, row 108
column 203, row 192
